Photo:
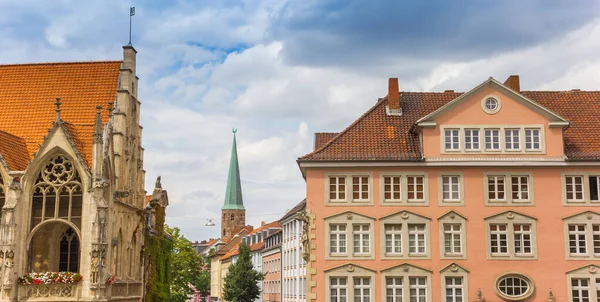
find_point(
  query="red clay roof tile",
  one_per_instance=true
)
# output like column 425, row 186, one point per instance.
column 14, row 151
column 369, row 137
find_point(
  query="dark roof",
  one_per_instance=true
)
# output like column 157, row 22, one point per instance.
column 296, row 209
column 377, row 136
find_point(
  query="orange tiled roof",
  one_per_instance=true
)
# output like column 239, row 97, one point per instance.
column 321, row 138
column 28, row 93
column 274, row 224
column 379, row 136
column 14, row 151
column 232, row 252
column 148, row 197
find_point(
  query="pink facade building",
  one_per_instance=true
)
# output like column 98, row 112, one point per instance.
column 271, row 267
column 488, row 195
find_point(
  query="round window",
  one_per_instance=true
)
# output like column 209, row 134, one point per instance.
column 514, row 287
column 490, row 104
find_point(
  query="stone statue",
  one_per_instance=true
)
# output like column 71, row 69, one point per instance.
column 157, row 184
column 8, row 265
column 94, row 266
column 305, row 235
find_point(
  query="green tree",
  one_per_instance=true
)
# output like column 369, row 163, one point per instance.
column 187, row 268
column 241, row 282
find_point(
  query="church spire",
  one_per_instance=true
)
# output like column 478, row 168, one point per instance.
column 233, row 194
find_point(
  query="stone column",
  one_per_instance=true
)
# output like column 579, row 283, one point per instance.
column 99, row 249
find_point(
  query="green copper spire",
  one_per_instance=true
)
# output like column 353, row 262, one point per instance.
column 233, row 195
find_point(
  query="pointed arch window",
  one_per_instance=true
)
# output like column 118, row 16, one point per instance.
column 232, row 217
column 2, row 195
column 57, row 193
column 69, row 252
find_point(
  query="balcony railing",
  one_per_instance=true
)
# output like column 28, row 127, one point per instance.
column 48, row 292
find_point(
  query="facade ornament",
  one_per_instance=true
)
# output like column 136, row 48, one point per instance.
column 349, row 216
column 404, row 215
column 8, row 265
column 551, row 296
column 589, row 215
column 15, row 184
column 94, row 266
column 452, row 215
column 510, row 215
column 305, row 235
column 405, row 268
column 157, row 184
column 350, row 268
column 480, row 296
column 98, row 126
column 592, row 269
column 454, row 268
column 58, row 103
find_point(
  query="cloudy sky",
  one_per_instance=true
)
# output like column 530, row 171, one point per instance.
column 280, row 70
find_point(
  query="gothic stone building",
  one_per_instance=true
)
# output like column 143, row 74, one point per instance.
column 72, row 179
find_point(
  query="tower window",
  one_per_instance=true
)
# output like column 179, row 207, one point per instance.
column 232, row 217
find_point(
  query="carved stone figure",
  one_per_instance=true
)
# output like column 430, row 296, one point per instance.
column 8, row 265
column 94, row 264
column 305, row 235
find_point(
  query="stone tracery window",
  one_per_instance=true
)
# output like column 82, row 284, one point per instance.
column 57, row 193
column 69, row 252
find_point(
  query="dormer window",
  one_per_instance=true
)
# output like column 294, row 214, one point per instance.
column 452, row 139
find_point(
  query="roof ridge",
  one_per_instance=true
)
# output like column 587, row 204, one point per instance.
column 59, row 63
column 379, row 102
column 555, row 91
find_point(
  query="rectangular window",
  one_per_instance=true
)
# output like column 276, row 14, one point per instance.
column 362, row 289
column 452, row 239
column 492, row 139
column 522, row 234
column 496, row 189
column 416, row 239
column 577, row 240
column 338, row 289
column 391, row 188
column 454, row 289
column 393, row 289
column 393, row 239
column 415, row 188
column 471, row 139
column 574, row 188
column 511, row 139
column 451, row 188
column 499, row 239
column 580, row 290
column 594, row 188
column 520, row 188
column 452, row 139
column 418, row 289
column 532, row 139
column 360, row 188
column 361, row 235
column 337, row 188
column 337, row 239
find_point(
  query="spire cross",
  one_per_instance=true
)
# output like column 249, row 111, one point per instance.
column 57, row 103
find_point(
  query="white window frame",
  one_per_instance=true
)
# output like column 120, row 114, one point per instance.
column 454, row 135
column 404, row 218
column 339, row 181
column 407, row 271
column 395, row 182
column 361, row 192
column 349, row 219
column 472, row 139
column 396, row 288
column 453, row 218
column 350, row 271
column 510, row 219
column 452, row 176
column 363, row 231
column 493, row 133
column 454, row 296
column 510, row 143
column 339, row 288
column 454, row 270
column 498, row 236
column 508, row 189
column 419, row 237
column 530, row 135
column 358, row 284
column 586, row 196
column 414, row 186
column 589, row 219
column 517, row 180
column 340, row 232
column 404, row 177
column 570, row 182
column 417, row 286
column 498, row 188
column 395, row 235
column 522, row 237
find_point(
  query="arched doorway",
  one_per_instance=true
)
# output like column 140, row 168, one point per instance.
column 56, row 210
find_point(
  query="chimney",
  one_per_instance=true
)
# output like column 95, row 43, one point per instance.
column 513, row 83
column 393, row 96
column 262, row 223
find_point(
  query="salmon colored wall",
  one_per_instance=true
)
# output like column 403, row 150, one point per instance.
column 548, row 271
column 470, row 112
column 270, row 276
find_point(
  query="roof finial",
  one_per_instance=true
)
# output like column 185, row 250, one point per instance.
column 234, row 130
column 98, row 126
column 110, row 109
column 58, row 103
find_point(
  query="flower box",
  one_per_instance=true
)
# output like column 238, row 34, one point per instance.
column 50, row 278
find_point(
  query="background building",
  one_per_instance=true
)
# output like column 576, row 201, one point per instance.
column 72, row 178
column 271, row 267
column 486, row 195
column 293, row 264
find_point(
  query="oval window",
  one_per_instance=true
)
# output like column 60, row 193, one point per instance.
column 491, row 104
column 514, row 287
